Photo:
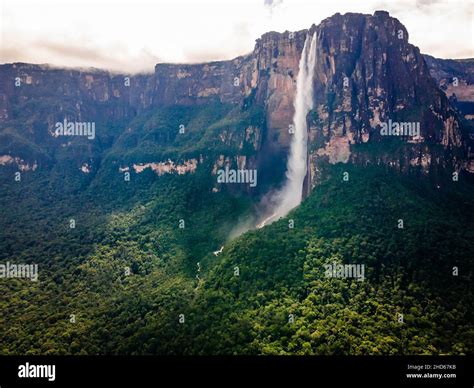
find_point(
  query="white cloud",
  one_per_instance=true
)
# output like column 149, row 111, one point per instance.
column 133, row 36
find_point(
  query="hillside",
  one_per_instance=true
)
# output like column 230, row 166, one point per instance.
column 126, row 221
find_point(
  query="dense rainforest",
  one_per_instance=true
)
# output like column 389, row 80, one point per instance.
column 137, row 274
column 142, row 250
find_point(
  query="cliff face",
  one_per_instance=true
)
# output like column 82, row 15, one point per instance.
column 456, row 79
column 367, row 74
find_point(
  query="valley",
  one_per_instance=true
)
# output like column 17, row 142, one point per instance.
column 177, row 247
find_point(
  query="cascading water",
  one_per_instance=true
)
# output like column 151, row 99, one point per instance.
column 290, row 195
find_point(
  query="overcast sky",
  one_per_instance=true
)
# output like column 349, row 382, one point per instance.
column 134, row 35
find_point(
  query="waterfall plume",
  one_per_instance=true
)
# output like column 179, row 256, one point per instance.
column 290, row 195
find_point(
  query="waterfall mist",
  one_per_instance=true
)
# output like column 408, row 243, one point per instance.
column 290, row 195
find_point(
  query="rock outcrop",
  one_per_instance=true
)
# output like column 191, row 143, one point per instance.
column 367, row 73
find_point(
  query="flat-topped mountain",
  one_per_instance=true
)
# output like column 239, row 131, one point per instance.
column 147, row 201
column 366, row 74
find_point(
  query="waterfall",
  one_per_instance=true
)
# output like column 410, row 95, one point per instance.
column 290, row 195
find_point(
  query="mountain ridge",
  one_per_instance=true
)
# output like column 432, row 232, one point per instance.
column 135, row 238
column 265, row 80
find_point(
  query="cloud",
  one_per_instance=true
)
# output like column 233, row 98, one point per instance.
column 272, row 3
column 130, row 36
column 75, row 53
column 60, row 54
column 426, row 3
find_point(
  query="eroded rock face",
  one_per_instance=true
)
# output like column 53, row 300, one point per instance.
column 277, row 56
column 456, row 79
column 167, row 167
column 366, row 74
column 6, row 160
